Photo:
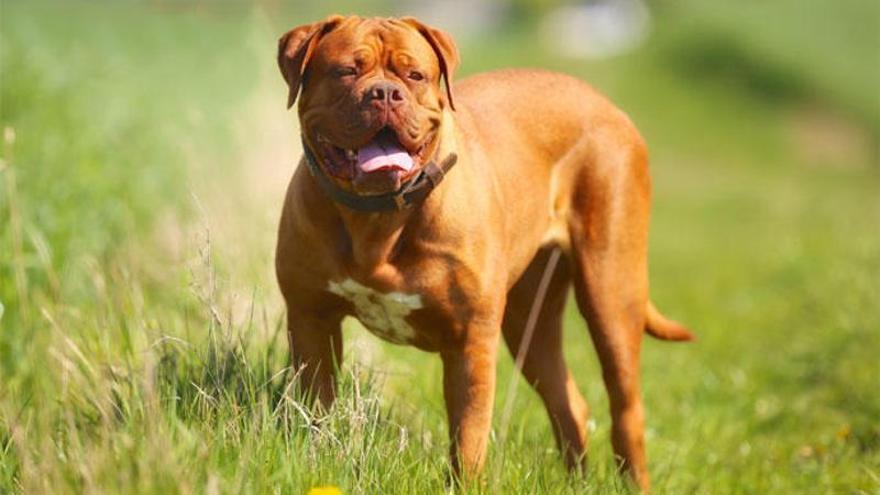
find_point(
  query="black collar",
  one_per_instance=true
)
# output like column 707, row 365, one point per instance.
column 413, row 191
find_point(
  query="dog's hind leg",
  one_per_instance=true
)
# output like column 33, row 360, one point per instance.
column 543, row 365
column 608, row 230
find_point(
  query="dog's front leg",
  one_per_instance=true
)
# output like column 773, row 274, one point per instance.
column 316, row 352
column 469, row 390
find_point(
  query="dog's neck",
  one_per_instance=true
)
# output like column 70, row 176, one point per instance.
column 375, row 239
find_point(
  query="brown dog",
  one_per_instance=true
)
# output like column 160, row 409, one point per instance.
column 369, row 230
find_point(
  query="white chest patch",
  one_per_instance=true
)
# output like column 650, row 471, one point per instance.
column 382, row 314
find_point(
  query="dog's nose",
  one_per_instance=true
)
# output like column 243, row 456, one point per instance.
column 385, row 93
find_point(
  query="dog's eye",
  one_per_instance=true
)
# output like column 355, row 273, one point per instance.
column 416, row 75
column 345, row 71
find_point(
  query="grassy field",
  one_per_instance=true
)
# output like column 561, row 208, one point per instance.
column 144, row 158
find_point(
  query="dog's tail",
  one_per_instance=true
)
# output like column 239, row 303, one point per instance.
column 660, row 327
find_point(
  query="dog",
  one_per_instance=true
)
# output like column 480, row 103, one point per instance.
column 431, row 211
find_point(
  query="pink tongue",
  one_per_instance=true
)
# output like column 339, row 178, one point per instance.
column 378, row 155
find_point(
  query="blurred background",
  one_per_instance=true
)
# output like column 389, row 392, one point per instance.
column 145, row 154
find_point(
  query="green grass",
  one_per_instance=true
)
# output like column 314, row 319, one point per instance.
column 141, row 344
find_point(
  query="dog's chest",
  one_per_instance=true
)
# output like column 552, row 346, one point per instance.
column 383, row 314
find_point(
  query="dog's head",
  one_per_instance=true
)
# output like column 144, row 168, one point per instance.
column 371, row 100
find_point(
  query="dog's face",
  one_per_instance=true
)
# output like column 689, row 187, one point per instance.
column 372, row 100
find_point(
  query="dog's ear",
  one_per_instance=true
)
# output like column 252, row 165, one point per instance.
column 444, row 47
column 295, row 49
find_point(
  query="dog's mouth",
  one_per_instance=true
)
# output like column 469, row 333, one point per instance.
column 380, row 166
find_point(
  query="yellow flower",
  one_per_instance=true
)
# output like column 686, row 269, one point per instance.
column 325, row 490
